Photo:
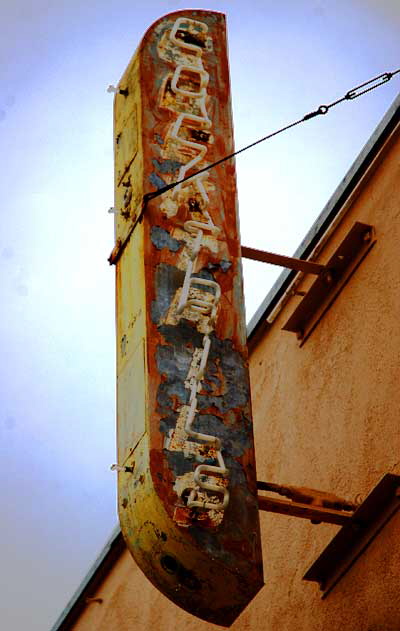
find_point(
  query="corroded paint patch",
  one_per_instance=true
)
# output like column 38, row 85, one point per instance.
column 193, row 464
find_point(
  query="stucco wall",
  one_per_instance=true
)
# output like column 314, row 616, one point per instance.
column 326, row 416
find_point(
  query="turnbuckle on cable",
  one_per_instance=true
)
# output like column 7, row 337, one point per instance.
column 354, row 93
column 379, row 80
column 323, row 109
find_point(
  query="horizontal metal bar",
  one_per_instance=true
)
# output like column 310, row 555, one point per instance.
column 305, row 511
column 284, row 261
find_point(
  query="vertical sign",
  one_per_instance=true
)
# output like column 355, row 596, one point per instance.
column 187, row 485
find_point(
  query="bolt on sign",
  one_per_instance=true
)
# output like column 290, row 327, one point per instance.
column 187, row 479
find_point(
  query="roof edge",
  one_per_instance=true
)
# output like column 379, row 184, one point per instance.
column 103, row 563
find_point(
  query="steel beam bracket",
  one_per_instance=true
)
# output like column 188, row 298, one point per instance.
column 356, row 534
column 361, row 523
column 331, row 277
column 327, row 286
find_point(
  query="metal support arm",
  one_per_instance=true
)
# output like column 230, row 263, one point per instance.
column 317, row 506
column 316, row 514
column 299, row 265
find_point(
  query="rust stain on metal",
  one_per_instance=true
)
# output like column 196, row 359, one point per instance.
column 306, row 495
column 186, row 421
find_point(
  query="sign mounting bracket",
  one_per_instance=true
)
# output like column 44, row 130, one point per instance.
column 317, row 506
column 330, row 277
column 300, row 265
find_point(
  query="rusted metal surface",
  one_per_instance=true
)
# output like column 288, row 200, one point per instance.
column 189, row 510
column 309, row 267
column 317, row 506
column 316, row 514
column 309, row 496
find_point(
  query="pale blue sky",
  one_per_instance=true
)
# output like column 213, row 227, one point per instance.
column 57, row 416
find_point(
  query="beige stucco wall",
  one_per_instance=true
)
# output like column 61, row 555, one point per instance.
column 326, row 416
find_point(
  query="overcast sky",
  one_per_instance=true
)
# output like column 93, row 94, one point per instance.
column 57, row 388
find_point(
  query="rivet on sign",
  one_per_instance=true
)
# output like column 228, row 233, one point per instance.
column 118, row 467
column 113, row 90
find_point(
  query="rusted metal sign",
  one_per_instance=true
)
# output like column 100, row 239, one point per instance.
column 187, row 481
